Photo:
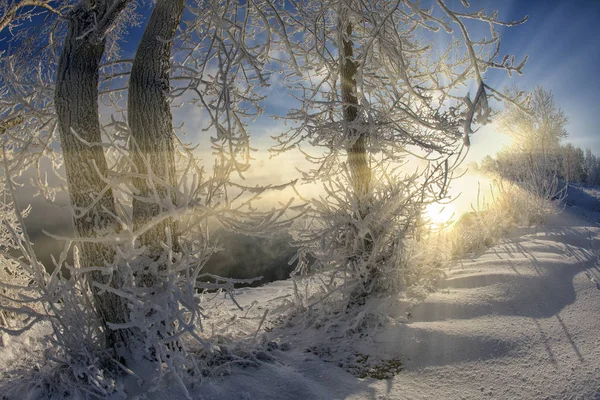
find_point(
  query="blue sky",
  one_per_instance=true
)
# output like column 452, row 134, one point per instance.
column 563, row 43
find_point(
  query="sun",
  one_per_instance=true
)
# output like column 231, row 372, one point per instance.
column 439, row 214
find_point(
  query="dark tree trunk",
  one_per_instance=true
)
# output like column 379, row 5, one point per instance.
column 76, row 101
column 150, row 121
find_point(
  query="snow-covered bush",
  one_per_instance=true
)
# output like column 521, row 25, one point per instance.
column 164, row 331
column 505, row 206
column 13, row 279
column 360, row 255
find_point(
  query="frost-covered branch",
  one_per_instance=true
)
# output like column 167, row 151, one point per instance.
column 378, row 93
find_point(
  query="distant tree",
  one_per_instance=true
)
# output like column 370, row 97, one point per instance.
column 538, row 129
column 592, row 168
column 489, row 164
column 573, row 163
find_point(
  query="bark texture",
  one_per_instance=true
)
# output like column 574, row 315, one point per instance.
column 150, row 121
column 76, row 101
column 358, row 161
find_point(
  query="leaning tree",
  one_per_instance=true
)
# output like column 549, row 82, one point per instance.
column 76, row 103
column 385, row 114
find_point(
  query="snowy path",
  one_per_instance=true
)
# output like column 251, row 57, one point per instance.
column 522, row 321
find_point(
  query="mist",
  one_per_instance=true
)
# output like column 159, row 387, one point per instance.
column 245, row 256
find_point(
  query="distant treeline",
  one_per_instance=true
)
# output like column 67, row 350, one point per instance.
column 565, row 162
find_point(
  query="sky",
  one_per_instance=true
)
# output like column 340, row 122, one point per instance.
column 562, row 40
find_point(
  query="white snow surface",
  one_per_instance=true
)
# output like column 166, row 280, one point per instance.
column 521, row 321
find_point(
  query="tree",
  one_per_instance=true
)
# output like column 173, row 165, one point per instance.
column 76, row 102
column 536, row 132
column 142, row 204
column 376, row 96
column 572, row 163
column 538, row 129
column 358, row 163
column 149, row 117
column 592, row 168
column 488, row 164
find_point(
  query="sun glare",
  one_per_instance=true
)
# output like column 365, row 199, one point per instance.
column 438, row 214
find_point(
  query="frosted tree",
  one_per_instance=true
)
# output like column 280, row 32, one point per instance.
column 385, row 116
column 149, row 117
column 538, row 128
column 76, row 102
column 536, row 131
column 141, row 202
column 573, row 163
column 15, row 14
column 591, row 168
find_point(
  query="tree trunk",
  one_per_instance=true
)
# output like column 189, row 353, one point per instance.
column 76, row 101
column 150, row 121
column 358, row 160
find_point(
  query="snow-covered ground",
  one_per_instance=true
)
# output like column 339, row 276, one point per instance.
column 521, row 321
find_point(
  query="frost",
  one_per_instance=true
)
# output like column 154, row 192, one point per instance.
column 383, row 118
column 385, row 124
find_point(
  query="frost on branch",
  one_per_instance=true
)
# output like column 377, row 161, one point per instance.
column 382, row 88
column 129, row 312
column 164, row 295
